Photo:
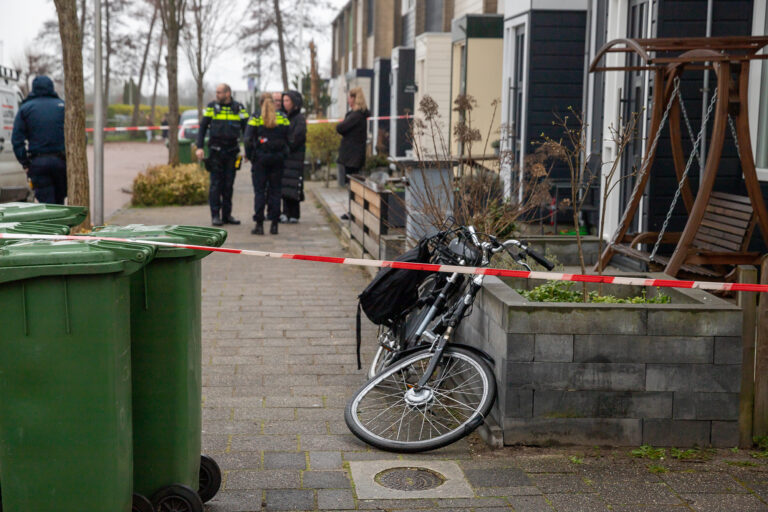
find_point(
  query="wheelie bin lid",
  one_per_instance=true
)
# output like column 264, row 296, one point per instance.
column 38, row 258
column 48, row 213
column 33, row 228
column 190, row 235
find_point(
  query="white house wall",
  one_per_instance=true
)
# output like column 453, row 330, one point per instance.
column 514, row 8
column 433, row 78
column 463, row 7
column 614, row 82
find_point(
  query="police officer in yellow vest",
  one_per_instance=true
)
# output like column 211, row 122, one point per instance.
column 226, row 120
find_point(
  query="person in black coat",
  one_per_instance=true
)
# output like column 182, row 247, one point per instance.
column 266, row 145
column 354, row 134
column 293, row 172
column 38, row 141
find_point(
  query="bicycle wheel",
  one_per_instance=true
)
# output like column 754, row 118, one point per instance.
column 388, row 414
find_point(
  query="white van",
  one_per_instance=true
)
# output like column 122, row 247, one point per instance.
column 13, row 179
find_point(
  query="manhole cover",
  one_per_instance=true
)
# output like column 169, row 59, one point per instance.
column 409, row 479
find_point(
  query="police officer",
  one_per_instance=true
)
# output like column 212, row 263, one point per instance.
column 227, row 120
column 38, row 141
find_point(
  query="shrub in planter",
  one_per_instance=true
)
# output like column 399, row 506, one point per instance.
column 165, row 185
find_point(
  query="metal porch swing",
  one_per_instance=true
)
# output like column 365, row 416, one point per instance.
column 719, row 225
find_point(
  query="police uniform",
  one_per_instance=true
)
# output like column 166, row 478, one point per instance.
column 267, row 149
column 226, row 123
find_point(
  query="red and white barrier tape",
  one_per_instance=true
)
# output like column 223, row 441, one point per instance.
column 310, row 121
column 524, row 274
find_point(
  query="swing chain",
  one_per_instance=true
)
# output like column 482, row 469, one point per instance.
column 694, row 153
column 734, row 135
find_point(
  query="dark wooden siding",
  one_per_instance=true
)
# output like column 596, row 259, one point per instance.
column 555, row 74
column 687, row 18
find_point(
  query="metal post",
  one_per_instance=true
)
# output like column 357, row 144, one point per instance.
column 98, row 122
column 705, row 98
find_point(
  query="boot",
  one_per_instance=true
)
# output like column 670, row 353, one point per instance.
column 273, row 228
column 231, row 220
column 216, row 221
column 259, row 229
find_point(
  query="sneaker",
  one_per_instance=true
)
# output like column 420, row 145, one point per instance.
column 232, row 220
column 259, row 229
column 293, row 220
column 283, row 218
column 273, row 228
column 216, row 221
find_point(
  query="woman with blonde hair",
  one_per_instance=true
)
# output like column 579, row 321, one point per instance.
column 266, row 145
column 354, row 134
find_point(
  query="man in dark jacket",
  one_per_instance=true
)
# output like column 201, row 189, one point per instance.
column 293, row 171
column 38, row 141
column 227, row 120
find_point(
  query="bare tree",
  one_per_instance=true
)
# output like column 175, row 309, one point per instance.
column 74, row 119
column 32, row 64
column 172, row 14
column 269, row 39
column 143, row 67
column 156, row 66
column 206, row 36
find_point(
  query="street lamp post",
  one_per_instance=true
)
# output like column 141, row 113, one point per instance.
column 98, row 122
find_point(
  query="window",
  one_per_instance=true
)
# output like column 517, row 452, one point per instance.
column 434, row 14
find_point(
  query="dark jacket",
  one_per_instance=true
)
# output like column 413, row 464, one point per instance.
column 226, row 123
column 39, row 122
column 293, row 172
column 261, row 142
column 354, row 134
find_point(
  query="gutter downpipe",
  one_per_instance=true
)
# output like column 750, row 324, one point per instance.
column 705, row 98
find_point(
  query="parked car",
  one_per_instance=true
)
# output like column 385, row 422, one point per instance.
column 13, row 179
column 189, row 125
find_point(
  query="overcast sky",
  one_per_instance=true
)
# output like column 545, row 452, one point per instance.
column 21, row 20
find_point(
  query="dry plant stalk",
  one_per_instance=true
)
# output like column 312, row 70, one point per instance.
column 478, row 197
column 621, row 137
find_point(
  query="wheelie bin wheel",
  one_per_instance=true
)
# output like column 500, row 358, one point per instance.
column 140, row 504
column 177, row 498
column 210, row 478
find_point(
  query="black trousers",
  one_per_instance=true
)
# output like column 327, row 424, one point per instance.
column 49, row 178
column 221, row 166
column 291, row 208
column 267, row 174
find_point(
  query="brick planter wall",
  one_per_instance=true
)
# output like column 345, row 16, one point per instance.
column 611, row 374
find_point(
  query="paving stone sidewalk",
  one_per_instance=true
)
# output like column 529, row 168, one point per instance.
column 279, row 365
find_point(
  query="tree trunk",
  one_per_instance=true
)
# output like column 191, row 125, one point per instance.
column 172, row 64
column 157, row 79
column 74, row 118
column 83, row 7
column 142, row 69
column 281, row 44
column 314, row 79
column 200, row 75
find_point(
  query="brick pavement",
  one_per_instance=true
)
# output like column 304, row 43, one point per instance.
column 279, row 364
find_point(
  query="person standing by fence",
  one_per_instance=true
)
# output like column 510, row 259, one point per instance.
column 354, row 134
column 293, row 173
column 266, row 146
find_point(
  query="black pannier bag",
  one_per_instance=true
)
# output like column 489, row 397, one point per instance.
column 393, row 291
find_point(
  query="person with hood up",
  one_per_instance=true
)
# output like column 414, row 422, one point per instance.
column 266, row 145
column 354, row 134
column 38, row 141
column 293, row 172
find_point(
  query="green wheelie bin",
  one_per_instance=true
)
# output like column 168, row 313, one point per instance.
column 167, row 375
column 47, row 213
column 65, row 375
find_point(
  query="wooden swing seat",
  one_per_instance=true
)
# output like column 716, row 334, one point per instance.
column 720, row 242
